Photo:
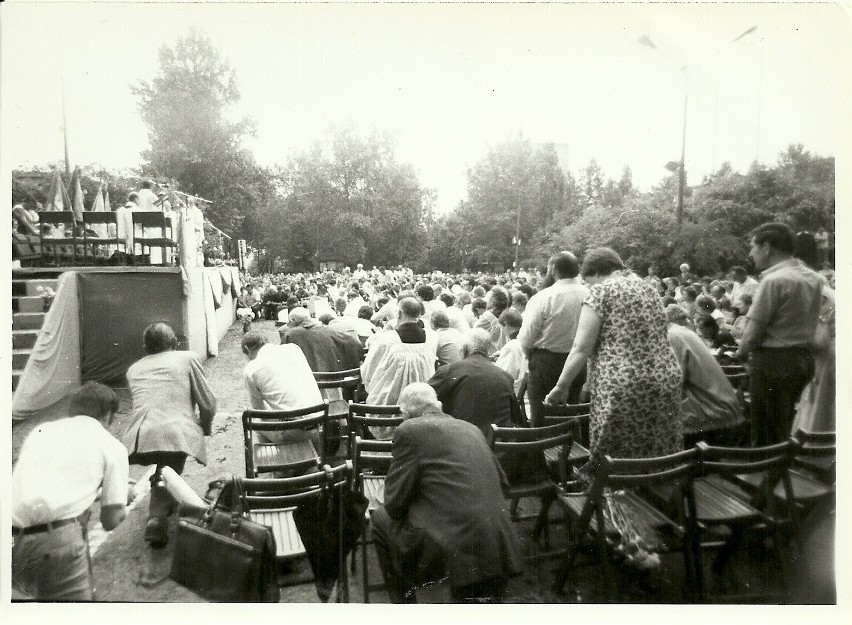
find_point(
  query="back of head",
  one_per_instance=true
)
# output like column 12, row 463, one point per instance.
column 440, row 320
column 478, row 342
column 298, row 316
column 417, row 399
column 411, row 308
column 705, row 303
column 252, row 341
column 159, row 337
column 511, row 318
column 478, row 304
column 425, row 292
column 499, row 299
column 95, row 400
column 601, row 261
column 565, row 265
column 738, row 272
column 677, row 315
column 447, row 299
column 365, row 312
column 806, row 249
column 477, row 291
column 325, row 318
column 779, row 236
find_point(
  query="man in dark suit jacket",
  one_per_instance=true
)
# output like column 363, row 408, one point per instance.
column 476, row 390
column 324, row 348
column 444, row 511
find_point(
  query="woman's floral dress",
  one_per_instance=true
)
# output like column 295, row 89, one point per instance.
column 635, row 387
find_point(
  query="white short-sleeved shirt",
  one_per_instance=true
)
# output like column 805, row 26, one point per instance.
column 280, row 378
column 61, row 466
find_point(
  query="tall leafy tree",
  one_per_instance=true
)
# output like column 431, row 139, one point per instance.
column 349, row 200
column 187, row 107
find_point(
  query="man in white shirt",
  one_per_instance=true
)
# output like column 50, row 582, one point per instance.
column 744, row 284
column 450, row 342
column 277, row 377
column 549, row 325
column 62, row 466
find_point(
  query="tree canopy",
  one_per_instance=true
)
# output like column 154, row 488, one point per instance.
column 187, row 107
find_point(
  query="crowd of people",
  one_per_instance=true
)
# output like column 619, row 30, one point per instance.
column 459, row 353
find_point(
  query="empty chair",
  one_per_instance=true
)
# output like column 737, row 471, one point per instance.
column 371, row 461
column 339, row 387
column 369, row 421
column 273, row 502
column 58, row 236
column 578, row 414
column 722, row 501
column 520, row 448
column 152, row 236
column 306, row 429
column 588, row 513
column 100, row 222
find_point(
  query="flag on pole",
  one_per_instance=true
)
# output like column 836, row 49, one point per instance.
column 98, row 202
column 57, row 197
column 77, row 191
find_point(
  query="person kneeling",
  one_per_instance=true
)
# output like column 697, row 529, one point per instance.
column 444, row 510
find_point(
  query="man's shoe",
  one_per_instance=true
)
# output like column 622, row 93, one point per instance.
column 157, row 532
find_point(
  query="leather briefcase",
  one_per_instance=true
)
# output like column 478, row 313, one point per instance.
column 223, row 556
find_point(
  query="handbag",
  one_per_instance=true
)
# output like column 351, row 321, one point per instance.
column 223, row 556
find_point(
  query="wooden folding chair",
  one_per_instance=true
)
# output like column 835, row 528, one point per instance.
column 98, row 219
column 579, row 415
column 273, row 501
column 524, row 443
column 727, row 498
column 263, row 456
column 371, row 421
column 347, row 383
column 371, row 463
column 59, row 245
column 668, row 533
column 144, row 221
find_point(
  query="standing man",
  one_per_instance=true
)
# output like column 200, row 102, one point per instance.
column 167, row 385
column 549, row 325
column 779, row 326
column 62, row 466
column 444, row 510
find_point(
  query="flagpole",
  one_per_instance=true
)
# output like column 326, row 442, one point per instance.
column 65, row 128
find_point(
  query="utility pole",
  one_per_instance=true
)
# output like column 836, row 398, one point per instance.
column 518, row 231
column 65, row 129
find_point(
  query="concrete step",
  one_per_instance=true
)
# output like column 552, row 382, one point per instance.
column 20, row 358
column 19, row 288
column 27, row 321
column 24, row 339
column 27, row 303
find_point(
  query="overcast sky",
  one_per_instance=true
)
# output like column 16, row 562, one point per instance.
column 448, row 80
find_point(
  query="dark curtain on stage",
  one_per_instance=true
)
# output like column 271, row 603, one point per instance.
column 115, row 308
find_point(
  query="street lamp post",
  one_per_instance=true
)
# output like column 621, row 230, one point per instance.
column 681, row 170
column 517, row 240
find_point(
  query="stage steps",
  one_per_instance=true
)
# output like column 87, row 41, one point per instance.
column 27, row 319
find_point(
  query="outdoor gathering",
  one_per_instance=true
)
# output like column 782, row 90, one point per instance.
column 481, row 304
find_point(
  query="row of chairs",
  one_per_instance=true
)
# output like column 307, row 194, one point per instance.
column 685, row 498
column 64, row 249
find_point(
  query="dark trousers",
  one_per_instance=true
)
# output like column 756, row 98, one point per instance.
column 162, row 503
column 408, row 559
column 545, row 369
column 778, row 376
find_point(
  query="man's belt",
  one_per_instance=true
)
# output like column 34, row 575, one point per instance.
column 35, row 529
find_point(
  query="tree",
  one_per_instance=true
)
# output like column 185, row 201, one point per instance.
column 186, row 107
column 592, row 184
column 349, row 200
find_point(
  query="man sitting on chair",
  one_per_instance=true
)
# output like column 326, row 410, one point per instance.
column 444, row 510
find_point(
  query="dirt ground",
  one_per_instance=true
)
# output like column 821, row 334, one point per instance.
column 127, row 570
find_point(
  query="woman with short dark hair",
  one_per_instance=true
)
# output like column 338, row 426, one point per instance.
column 634, row 378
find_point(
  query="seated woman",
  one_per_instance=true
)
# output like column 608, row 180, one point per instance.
column 715, row 337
